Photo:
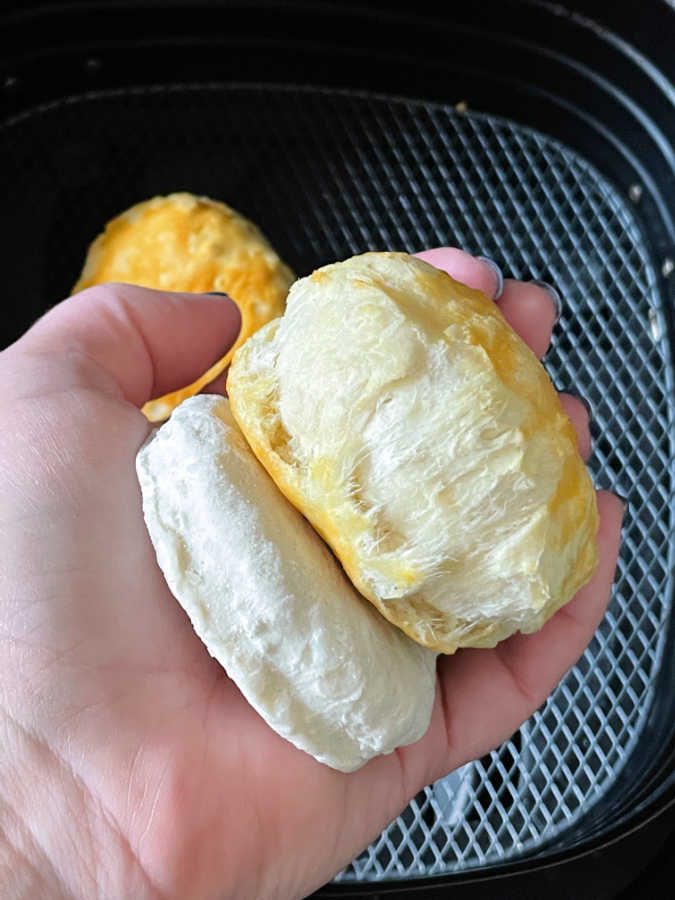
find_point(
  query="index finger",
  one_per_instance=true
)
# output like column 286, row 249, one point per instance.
column 528, row 307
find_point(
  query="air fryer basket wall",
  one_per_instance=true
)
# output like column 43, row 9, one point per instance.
column 579, row 192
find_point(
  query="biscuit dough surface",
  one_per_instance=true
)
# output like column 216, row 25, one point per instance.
column 401, row 414
column 186, row 243
column 316, row 660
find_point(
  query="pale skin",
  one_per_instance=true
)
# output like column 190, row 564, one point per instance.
column 131, row 765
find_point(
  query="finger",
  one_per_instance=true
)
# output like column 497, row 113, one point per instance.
column 218, row 385
column 531, row 310
column 577, row 412
column 147, row 342
column 488, row 694
column 161, row 408
column 475, row 273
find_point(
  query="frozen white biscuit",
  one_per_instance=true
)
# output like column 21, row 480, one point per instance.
column 317, row 661
column 403, row 416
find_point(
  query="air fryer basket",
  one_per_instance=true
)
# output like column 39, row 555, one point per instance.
column 329, row 172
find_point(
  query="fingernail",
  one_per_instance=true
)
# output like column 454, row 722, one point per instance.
column 585, row 402
column 624, row 500
column 553, row 294
column 218, row 294
column 499, row 276
column 593, row 429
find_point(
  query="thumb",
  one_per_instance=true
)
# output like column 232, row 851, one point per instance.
column 141, row 342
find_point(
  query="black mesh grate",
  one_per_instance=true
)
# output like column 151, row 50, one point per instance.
column 327, row 175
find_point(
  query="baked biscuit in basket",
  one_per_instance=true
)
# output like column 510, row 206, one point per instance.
column 421, row 437
column 185, row 243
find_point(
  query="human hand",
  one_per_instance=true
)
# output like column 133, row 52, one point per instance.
column 132, row 765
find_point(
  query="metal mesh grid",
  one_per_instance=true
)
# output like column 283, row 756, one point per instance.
column 328, row 174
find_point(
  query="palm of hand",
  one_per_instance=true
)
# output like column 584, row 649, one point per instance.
column 166, row 762
column 173, row 779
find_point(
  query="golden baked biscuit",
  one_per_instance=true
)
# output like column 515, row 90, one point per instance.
column 401, row 414
column 187, row 243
